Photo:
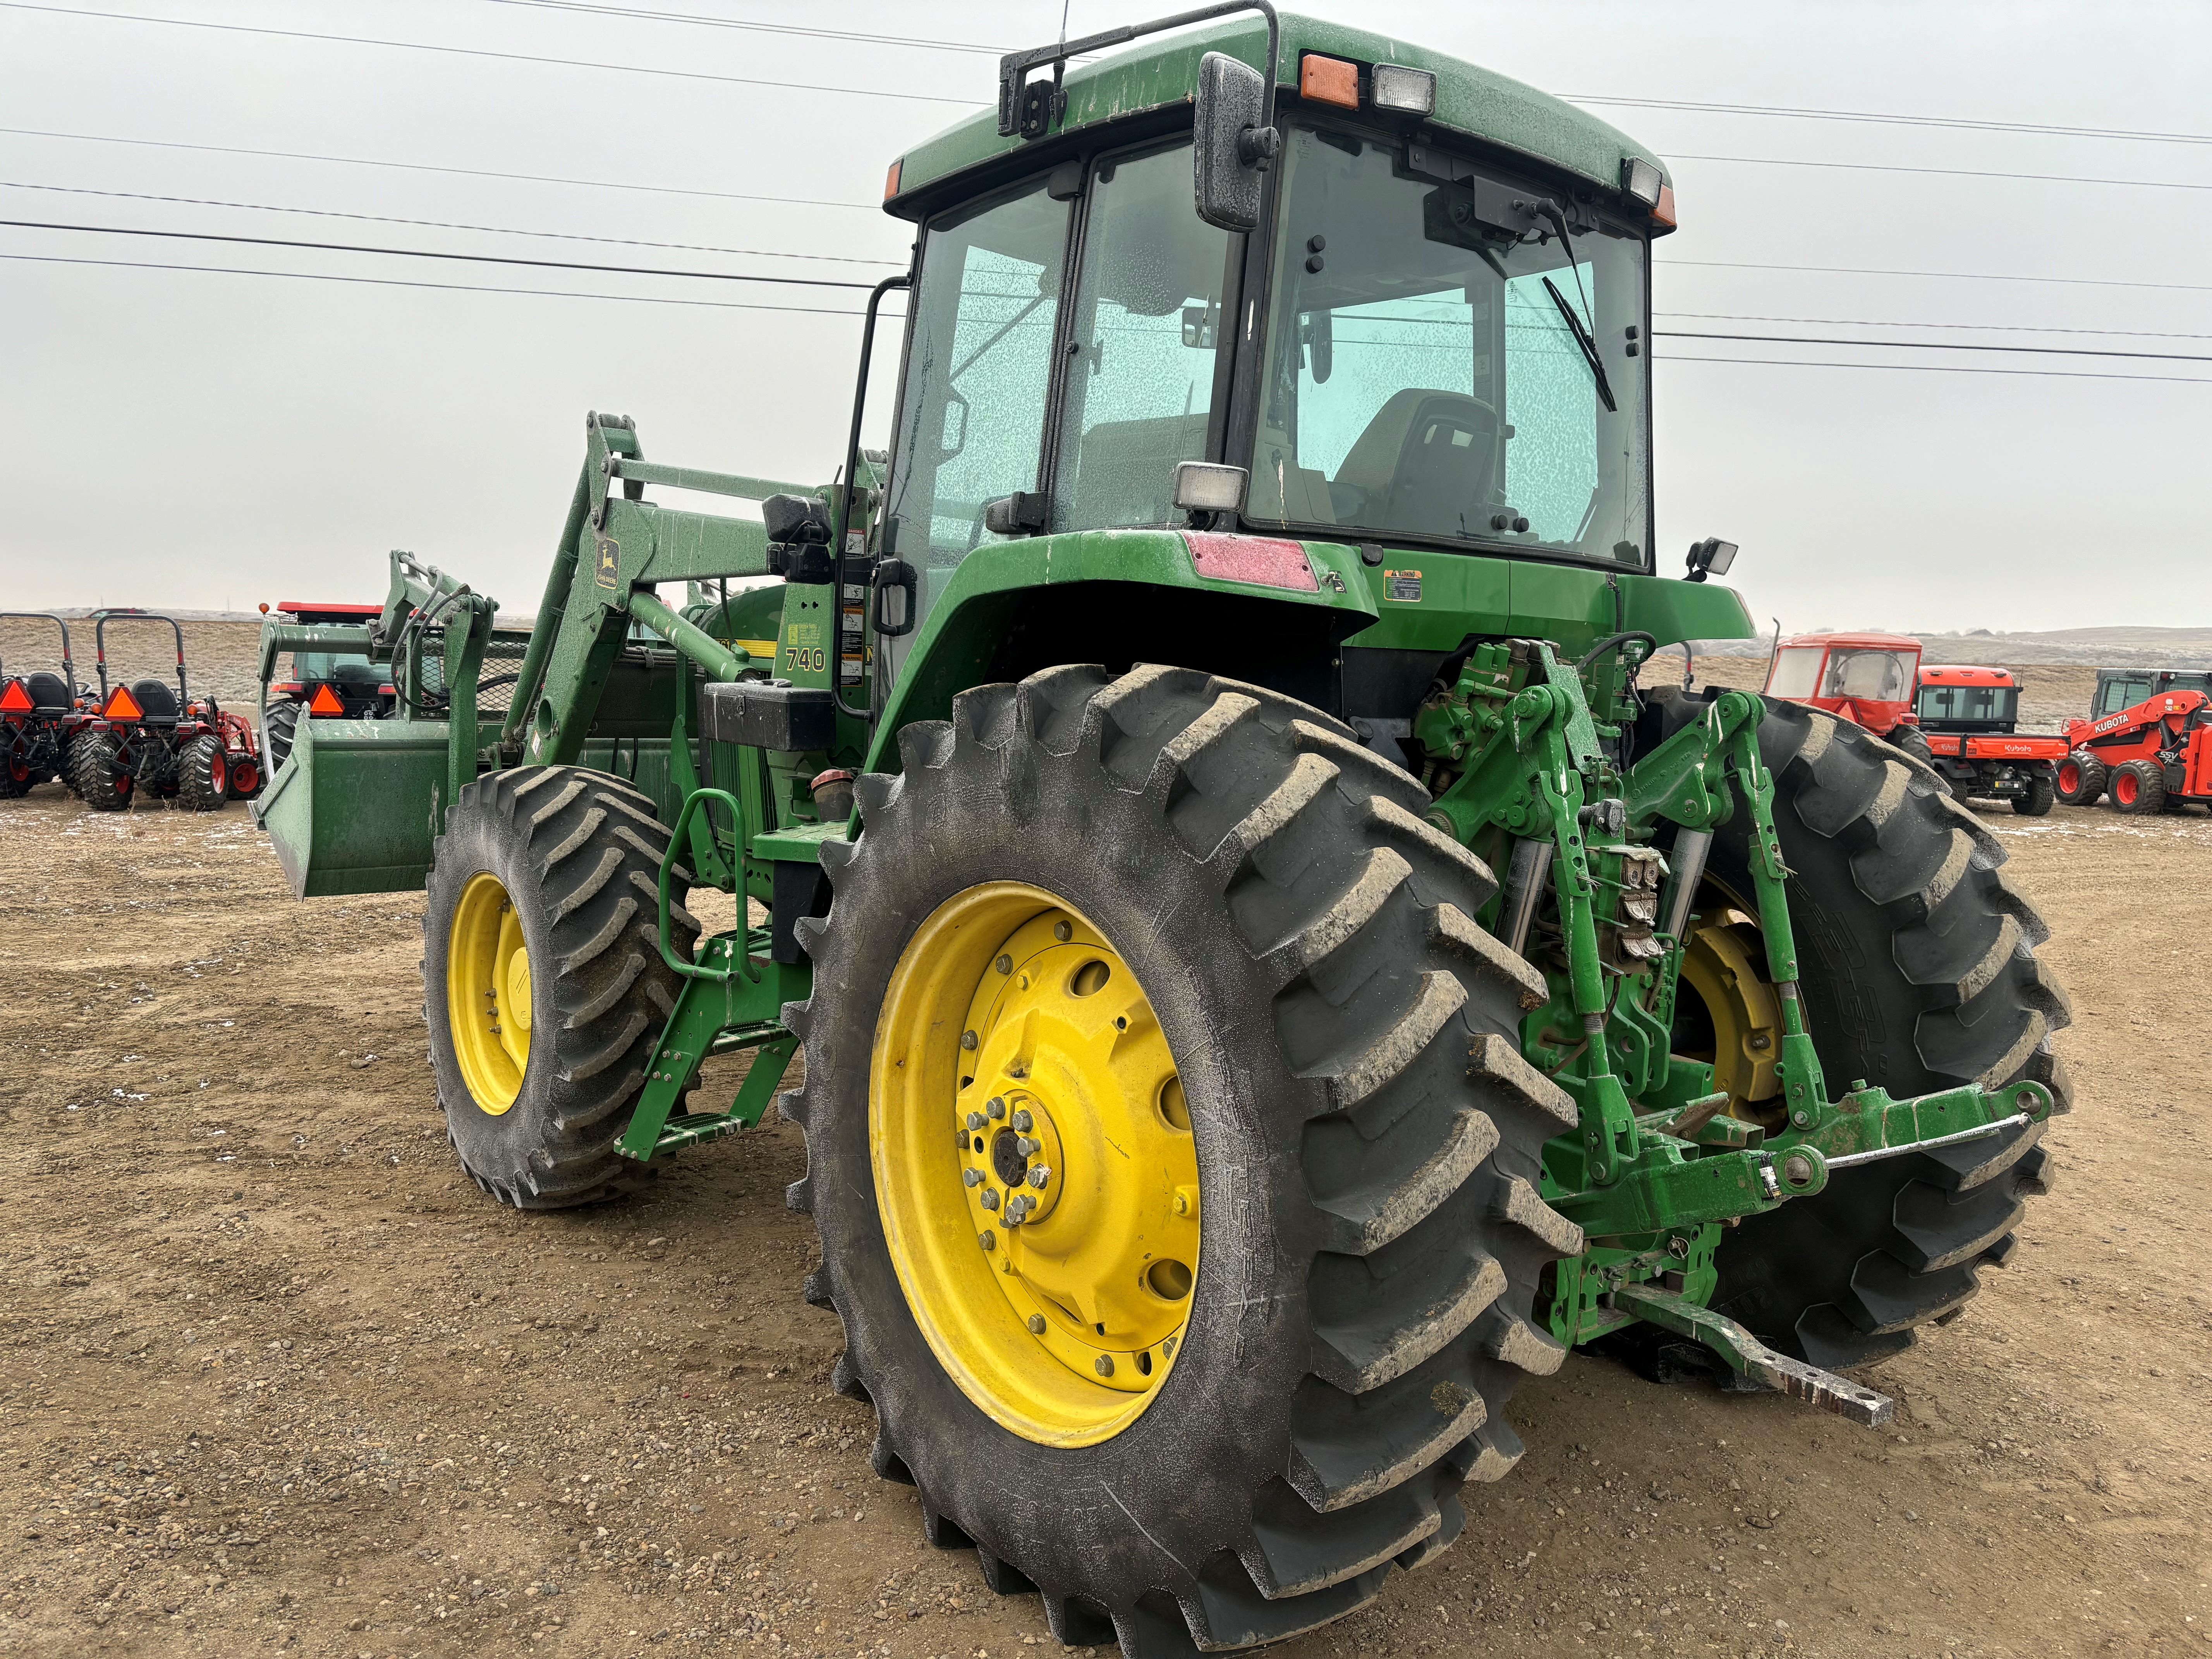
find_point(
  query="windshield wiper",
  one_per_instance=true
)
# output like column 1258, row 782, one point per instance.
column 1582, row 339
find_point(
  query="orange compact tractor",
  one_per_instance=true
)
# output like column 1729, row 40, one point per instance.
column 2149, row 756
column 40, row 713
column 143, row 736
column 1867, row 678
column 1968, row 716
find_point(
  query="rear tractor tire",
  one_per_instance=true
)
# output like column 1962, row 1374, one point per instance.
column 1919, row 973
column 2081, row 779
column 203, row 775
column 2042, row 792
column 94, row 774
column 544, row 986
column 1912, row 740
column 2138, row 788
column 279, row 726
column 1172, row 1154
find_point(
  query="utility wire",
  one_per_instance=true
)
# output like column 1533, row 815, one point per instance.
column 1873, row 322
column 1963, row 276
column 424, row 166
column 445, row 288
column 1935, row 345
column 448, row 224
column 422, row 254
column 1943, row 173
column 1943, row 368
column 483, row 51
column 1962, row 124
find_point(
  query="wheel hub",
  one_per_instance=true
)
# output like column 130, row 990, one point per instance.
column 488, row 993
column 1072, row 1186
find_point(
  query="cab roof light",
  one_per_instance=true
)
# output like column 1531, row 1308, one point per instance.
column 1329, row 81
column 1664, row 212
column 1642, row 180
column 1409, row 91
column 891, row 178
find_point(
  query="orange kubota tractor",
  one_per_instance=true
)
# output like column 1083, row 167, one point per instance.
column 1968, row 716
column 2150, row 757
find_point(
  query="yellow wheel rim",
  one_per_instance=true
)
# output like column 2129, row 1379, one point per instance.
column 1033, row 1164
column 1724, row 967
column 488, row 993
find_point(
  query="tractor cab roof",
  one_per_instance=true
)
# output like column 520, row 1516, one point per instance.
column 1156, row 78
column 331, row 612
column 1950, row 674
column 1856, row 642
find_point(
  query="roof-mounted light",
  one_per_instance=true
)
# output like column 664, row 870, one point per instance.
column 1642, row 180
column 1409, row 91
column 891, row 178
column 1664, row 212
column 1329, row 81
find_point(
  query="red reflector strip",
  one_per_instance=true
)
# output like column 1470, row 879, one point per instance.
column 1259, row 560
column 325, row 702
column 122, row 706
column 16, row 700
column 1329, row 81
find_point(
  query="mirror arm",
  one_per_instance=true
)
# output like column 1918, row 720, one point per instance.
column 1015, row 66
column 850, row 483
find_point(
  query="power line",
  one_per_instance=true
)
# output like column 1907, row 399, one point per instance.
column 445, row 224
column 425, row 167
column 1872, row 322
column 483, row 51
column 1955, row 123
column 1962, row 276
column 1936, row 345
column 1940, row 173
column 628, row 13
column 424, row 253
column 444, row 288
column 1943, row 368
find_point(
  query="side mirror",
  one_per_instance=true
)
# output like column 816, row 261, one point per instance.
column 1231, row 145
column 1712, row 557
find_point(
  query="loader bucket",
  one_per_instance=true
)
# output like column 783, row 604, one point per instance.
column 356, row 806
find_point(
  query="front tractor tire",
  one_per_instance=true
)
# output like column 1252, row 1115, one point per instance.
column 2081, row 779
column 97, row 774
column 1171, row 964
column 544, row 986
column 1919, row 973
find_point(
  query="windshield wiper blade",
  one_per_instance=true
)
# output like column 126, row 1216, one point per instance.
column 1582, row 339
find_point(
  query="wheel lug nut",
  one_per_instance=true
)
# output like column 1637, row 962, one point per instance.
column 1105, row 1365
column 1062, row 932
column 996, row 1108
column 990, row 1200
column 967, row 1041
column 971, row 1177
column 1026, row 1146
column 976, row 1120
column 1041, row 1177
column 987, row 1239
column 1037, row 1324
column 1022, row 1120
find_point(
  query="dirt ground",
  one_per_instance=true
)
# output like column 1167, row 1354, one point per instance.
column 276, row 1379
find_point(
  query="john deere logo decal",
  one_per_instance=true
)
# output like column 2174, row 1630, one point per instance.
column 609, row 560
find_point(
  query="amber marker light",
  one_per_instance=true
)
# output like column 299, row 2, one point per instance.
column 1664, row 212
column 891, row 178
column 1329, row 81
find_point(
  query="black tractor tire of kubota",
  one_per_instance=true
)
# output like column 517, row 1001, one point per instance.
column 1359, row 1108
column 2081, row 779
column 2042, row 794
column 16, row 779
column 94, row 775
column 1917, row 969
column 578, row 853
column 2138, row 788
column 278, row 726
column 203, row 775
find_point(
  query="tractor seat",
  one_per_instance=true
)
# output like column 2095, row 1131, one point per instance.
column 49, row 693
column 156, row 697
column 1425, row 464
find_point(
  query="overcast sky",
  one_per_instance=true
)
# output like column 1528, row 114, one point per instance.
column 214, row 441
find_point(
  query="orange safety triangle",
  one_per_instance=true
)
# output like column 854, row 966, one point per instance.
column 325, row 702
column 16, row 700
column 122, row 706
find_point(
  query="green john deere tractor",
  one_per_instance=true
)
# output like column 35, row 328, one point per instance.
column 1269, row 979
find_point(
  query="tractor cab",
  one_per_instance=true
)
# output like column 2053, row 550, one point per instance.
column 335, row 683
column 1966, row 699
column 2125, row 688
column 1870, row 679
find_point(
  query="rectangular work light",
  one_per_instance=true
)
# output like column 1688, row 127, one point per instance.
column 1409, row 91
column 1207, row 487
column 1641, row 180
